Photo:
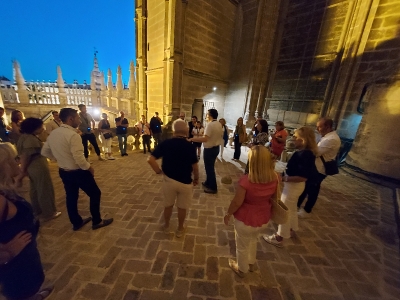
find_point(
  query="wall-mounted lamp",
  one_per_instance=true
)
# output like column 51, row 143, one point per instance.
column 214, row 88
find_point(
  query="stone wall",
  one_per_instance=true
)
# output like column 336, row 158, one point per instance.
column 379, row 61
column 374, row 96
column 208, row 40
column 155, row 56
column 246, row 18
column 310, row 45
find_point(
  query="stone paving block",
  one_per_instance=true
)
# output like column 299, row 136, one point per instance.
column 114, row 271
column 242, row 292
column 131, row 253
column 212, row 268
column 204, row 288
column 226, row 283
column 261, row 293
column 168, row 279
column 94, row 291
column 151, row 250
column 109, row 257
column 205, row 240
column 69, row 291
column 344, row 289
column 181, row 258
column 120, row 287
column 200, row 253
column 286, row 288
column 181, row 289
column 132, row 295
column 160, row 262
column 188, row 245
column 191, row 272
column 65, row 277
column 137, row 266
column 90, row 274
column 282, row 268
column 149, row 281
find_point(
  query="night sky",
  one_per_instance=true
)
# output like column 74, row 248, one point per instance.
column 43, row 34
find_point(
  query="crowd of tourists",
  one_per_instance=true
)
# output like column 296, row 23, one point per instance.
column 68, row 134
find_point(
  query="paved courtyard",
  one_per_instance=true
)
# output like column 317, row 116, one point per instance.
column 347, row 250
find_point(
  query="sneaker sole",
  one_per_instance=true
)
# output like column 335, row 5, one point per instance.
column 271, row 243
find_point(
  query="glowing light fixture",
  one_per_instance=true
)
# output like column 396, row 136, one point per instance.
column 214, row 88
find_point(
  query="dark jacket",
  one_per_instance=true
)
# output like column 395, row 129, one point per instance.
column 155, row 125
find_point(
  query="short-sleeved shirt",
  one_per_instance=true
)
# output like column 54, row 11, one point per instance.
column 121, row 129
column 178, row 156
column 256, row 208
column 302, row 163
column 261, row 138
column 30, row 145
column 276, row 147
column 214, row 133
column 86, row 122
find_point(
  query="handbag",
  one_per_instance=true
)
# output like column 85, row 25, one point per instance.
column 107, row 135
column 280, row 212
column 331, row 167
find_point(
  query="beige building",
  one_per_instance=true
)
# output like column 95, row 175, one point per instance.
column 38, row 99
column 290, row 60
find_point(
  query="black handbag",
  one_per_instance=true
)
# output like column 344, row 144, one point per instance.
column 107, row 135
column 331, row 167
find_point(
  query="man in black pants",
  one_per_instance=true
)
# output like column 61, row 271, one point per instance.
column 64, row 145
column 156, row 129
column 86, row 126
column 211, row 140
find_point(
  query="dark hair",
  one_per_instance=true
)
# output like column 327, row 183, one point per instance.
column 30, row 125
column 81, row 105
column 213, row 113
column 156, row 113
column 67, row 112
column 54, row 112
column 264, row 125
column 328, row 122
column 1, row 108
column 280, row 123
column 14, row 115
column 194, row 117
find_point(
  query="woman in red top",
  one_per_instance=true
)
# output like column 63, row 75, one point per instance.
column 278, row 139
column 251, row 207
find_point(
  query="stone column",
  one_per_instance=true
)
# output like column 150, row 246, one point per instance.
column 61, row 90
column 263, row 49
column 141, row 55
column 23, row 96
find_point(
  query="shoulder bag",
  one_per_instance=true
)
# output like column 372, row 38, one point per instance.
column 280, row 212
column 331, row 167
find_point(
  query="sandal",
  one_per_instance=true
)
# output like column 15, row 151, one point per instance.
column 44, row 293
column 235, row 268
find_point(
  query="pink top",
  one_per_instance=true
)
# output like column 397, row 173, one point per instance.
column 256, row 208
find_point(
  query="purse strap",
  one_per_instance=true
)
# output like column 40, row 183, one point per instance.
column 278, row 188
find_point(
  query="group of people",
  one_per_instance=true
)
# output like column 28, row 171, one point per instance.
column 251, row 205
column 257, row 189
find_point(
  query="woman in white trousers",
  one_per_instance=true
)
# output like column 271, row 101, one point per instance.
column 251, row 207
column 300, row 168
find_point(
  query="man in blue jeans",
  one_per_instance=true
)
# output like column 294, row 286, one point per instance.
column 211, row 142
column 122, row 129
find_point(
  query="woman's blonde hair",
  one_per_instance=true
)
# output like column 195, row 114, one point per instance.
column 261, row 165
column 7, row 155
column 308, row 136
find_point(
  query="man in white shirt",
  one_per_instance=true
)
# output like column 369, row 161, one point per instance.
column 328, row 147
column 65, row 146
column 211, row 142
column 55, row 123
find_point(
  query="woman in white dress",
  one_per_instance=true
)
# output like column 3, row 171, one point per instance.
column 106, row 136
column 198, row 131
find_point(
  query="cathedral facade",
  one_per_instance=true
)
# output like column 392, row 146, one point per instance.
column 40, row 98
column 288, row 60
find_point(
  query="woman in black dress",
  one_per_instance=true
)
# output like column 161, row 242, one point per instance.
column 21, row 271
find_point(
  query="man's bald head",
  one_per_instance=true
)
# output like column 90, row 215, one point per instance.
column 180, row 127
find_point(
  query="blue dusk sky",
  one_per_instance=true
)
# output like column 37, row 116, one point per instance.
column 43, row 34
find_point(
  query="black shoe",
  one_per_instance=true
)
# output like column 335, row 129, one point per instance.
column 204, row 184
column 210, row 191
column 103, row 223
column 126, row 154
column 122, row 155
column 84, row 222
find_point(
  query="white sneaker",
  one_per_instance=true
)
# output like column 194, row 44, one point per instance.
column 88, row 160
column 271, row 239
column 302, row 214
column 111, row 158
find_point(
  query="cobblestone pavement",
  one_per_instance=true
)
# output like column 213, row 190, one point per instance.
column 347, row 250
